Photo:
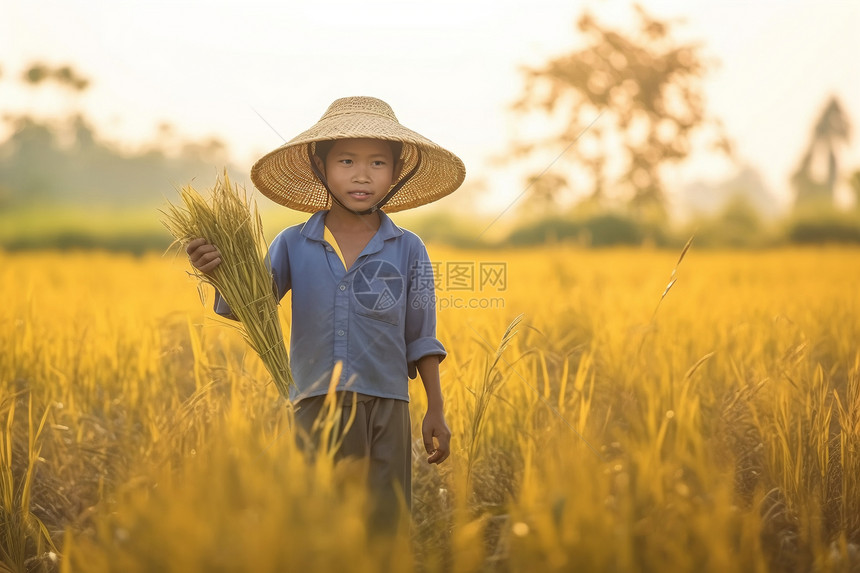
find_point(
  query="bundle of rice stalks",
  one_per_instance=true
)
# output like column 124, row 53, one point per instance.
column 243, row 278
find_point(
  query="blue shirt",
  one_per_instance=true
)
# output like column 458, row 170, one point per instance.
column 377, row 318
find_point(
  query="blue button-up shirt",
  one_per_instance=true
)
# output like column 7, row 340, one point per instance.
column 377, row 318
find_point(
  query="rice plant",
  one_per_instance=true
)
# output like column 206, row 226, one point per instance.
column 139, row 433
column 243, row 278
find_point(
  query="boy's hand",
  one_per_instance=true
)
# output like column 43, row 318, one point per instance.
column 434, row 426
column 204, row 256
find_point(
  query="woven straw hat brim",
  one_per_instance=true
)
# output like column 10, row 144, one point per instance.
column 285, row 175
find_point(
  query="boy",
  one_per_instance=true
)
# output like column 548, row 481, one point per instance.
column 362, row 288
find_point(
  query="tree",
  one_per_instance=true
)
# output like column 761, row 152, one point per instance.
column 544, row 190
column 831, row 130
column 36, row 74
column 66, row 76
column 854, row 182
column 647, row 89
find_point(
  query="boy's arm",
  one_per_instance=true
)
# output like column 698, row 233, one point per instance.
column 434, row 425
column 205, row 257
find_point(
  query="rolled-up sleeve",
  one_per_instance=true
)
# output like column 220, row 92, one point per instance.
column 420, row 328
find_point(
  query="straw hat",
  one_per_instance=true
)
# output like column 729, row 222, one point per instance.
column 429, row 171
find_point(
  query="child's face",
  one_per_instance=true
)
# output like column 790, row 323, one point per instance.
column 359, row 171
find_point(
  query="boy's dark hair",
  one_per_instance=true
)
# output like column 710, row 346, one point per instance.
column 322, row 149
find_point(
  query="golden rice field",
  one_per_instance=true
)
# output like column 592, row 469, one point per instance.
column 714, row 429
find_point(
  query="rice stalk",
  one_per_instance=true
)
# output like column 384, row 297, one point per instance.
column 243, row 278
column 490, row 384
column 673, row 278
column 24, row 539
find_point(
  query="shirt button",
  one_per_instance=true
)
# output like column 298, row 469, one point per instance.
column 342, row 287
column 329, row 249
column 340, row 333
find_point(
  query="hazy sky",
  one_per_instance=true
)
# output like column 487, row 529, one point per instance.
column 448, row 68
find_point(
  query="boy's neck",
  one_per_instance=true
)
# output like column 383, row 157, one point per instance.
column 339, row 219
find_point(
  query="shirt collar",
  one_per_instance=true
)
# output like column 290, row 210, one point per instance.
column 314, row 227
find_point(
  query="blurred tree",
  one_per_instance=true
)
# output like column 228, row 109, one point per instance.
column 64, row 163
column 701, row 198
column 831, row 130
column 648, row 90
column 65, row 75
column 27, row 160
column 36, row 74
column 737, row 224
column 854, row 182
column 545, row 190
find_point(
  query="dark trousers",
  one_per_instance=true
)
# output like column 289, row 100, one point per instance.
column 380, row 433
